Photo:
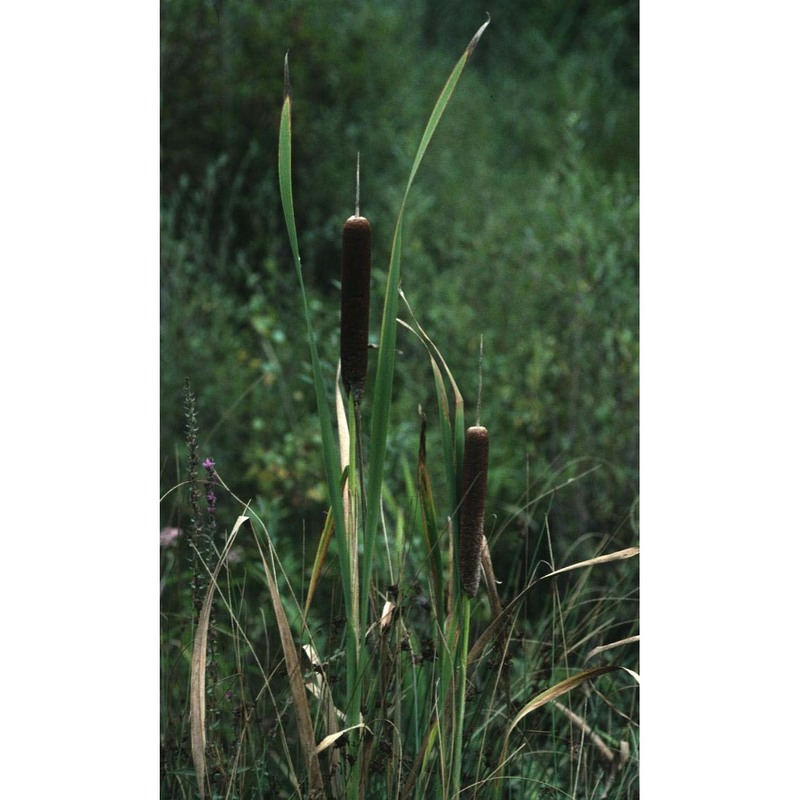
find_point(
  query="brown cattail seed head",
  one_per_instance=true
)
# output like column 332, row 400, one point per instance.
column 473, row 506
column 356, row 259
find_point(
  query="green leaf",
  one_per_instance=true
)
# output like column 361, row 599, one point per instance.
column 384, row 377
column 329, row 446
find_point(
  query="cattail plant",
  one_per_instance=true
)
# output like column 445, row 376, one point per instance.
column 473, row 506
column 356, row 262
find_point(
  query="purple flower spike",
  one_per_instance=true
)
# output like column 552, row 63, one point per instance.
column 209, row 464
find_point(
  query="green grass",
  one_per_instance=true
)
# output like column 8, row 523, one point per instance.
column 389, row 681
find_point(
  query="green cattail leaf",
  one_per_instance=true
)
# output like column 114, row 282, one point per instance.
column 452, row 466
column 386, row 354
column 285, row 172
column 319, row 561
column 379, row 428
column 429, row 526
column 445, row 427
column 329, row 446
column 442, row 103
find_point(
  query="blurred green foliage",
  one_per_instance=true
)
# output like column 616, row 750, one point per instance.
column 523, row 228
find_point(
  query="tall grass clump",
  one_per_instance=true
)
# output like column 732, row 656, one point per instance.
column 392, row 667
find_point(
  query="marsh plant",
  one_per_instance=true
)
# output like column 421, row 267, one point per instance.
column 394, row 667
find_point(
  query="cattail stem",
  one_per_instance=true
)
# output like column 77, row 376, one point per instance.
column 473, row 507
column 480, row 383
column 358, row 183
column 356, row 263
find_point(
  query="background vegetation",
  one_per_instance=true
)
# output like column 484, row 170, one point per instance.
column 522, row 228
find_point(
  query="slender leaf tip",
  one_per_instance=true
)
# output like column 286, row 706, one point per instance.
column 476, row 38
column 287, row 84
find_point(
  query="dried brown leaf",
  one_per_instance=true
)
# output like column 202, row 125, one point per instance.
column 332, row 738
column 603, row 647
column 296, row 684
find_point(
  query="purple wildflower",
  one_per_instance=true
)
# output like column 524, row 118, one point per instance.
column 169, row 536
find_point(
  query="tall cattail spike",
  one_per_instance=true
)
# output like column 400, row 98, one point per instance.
column 473, row 507
column 354, row 340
